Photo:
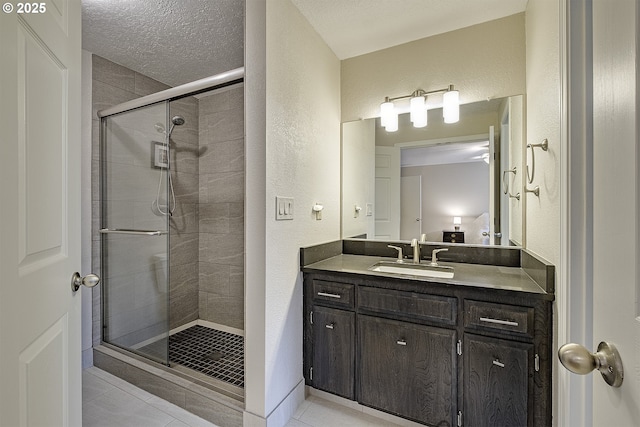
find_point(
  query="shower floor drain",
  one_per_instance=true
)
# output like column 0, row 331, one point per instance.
column 215, row 353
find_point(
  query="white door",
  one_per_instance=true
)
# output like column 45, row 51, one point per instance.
column 494, row 189
column 616, row 215
column 40, row 377
column 612, row 306
column 387, row 207
column 410, row 207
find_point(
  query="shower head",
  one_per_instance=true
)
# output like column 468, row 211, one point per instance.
column 175, row 121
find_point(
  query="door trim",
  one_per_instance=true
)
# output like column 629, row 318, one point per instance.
column 575, row 291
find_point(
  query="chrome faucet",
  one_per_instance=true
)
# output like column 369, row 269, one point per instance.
column 434, row 256
column 416, row 251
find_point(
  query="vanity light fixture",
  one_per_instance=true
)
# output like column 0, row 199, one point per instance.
column 418, row 108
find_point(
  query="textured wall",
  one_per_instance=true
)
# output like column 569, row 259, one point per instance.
column 112, row 85
column 482, row 61
column 543, row 121
column 221, row 213
column 303, row 162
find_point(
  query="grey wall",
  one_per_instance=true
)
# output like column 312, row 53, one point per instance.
column 221, row 174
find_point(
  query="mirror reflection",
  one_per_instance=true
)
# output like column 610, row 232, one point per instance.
column 456, row 183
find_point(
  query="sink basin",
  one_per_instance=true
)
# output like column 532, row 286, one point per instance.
column 423, row 270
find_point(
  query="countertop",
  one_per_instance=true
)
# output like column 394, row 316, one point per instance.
column 474, row 275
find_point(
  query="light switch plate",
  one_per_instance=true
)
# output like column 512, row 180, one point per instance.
column 284, row 208
column 369, row 211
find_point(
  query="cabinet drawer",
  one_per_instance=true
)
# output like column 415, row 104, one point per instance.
column 498, row 317
column 333, row 293
column 408, row 304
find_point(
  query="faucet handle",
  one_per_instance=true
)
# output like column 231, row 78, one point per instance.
column 423, row 238
column 434, row 255
column 399, row 249
column 414, row 242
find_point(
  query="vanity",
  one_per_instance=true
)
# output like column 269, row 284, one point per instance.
column 471, row 350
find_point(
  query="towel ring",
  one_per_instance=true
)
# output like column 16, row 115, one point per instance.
column 505, row 184
column 545, row 146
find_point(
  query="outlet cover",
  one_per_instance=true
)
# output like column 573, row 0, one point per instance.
column 284, row 208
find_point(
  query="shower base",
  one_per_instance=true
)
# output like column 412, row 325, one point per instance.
column 215, row 353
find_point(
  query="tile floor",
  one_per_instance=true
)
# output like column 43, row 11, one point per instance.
column 109, row 401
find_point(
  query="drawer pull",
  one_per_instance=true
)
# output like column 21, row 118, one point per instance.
column 329, row 326
column 498, row 363
column 498, row 322
column 401, row 342
column 324, row 294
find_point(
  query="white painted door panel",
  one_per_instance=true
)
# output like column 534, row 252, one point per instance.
column 40, row 381
column 387, row 207
column 616, row 200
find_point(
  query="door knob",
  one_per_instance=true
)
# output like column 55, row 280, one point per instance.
column 90, row 280
column 579, row 360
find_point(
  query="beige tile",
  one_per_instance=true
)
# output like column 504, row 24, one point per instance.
column 236, row 281
column 181, row 415
column 93, row 386
column 222, row 248
column 322, row 413
column 214, row 103
column 184, row 219
column 224, row 187
column 213, row 411
column 225, row 310
column 186, row 187
column 225, row 156
column 214, row 278
column 214, row 218
column 144, row 85
column 184, row 158
column 105, row 96
column 224, row 125
column 295, row 423
column 112, row 74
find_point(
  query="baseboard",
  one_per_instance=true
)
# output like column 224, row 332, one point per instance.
column 281, row 415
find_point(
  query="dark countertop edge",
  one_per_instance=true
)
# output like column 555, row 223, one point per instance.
column 542, row 294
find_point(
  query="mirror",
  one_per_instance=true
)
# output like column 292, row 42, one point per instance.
column 400, row 185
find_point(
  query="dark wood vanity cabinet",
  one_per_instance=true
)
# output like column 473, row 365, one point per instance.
column 334, row 351
column 433, row 353
column 407, row 369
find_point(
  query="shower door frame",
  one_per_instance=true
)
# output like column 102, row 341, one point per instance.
column 216, row 82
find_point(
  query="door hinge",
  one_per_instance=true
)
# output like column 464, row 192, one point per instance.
column 311, row 317
column 459, row 347
column 536, row 362
column 459, row 418
column 311, row 374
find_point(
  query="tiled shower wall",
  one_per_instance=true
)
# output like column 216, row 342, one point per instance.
column 221, row 242
column 207, row 228
column 112, row 85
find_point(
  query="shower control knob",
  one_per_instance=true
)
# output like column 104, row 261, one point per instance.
column 90, row 280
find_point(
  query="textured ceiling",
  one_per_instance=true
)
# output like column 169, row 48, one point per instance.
column 178, row 41
column 356, row 27
column 173, row 41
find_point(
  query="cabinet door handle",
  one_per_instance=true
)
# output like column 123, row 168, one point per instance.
column 324, row 294
column 498, row 322
column 498, row 363
column 401, row 342
column 329, row 326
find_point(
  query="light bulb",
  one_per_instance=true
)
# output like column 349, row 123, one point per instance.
column 418, row 111
column 386, row 112
column 392, row 123
column 451, row 106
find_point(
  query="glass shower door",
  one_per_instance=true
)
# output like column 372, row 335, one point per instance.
column 134, row 231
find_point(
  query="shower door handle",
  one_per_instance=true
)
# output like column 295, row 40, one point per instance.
column 90, row 280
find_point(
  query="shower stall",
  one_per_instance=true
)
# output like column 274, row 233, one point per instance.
column 171, row 229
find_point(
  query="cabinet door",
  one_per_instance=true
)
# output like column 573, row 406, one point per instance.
column 498, row 382
column 333, row 351
column 408, row 369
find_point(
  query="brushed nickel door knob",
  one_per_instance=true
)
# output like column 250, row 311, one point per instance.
column 90, row 280
column 579, row 360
